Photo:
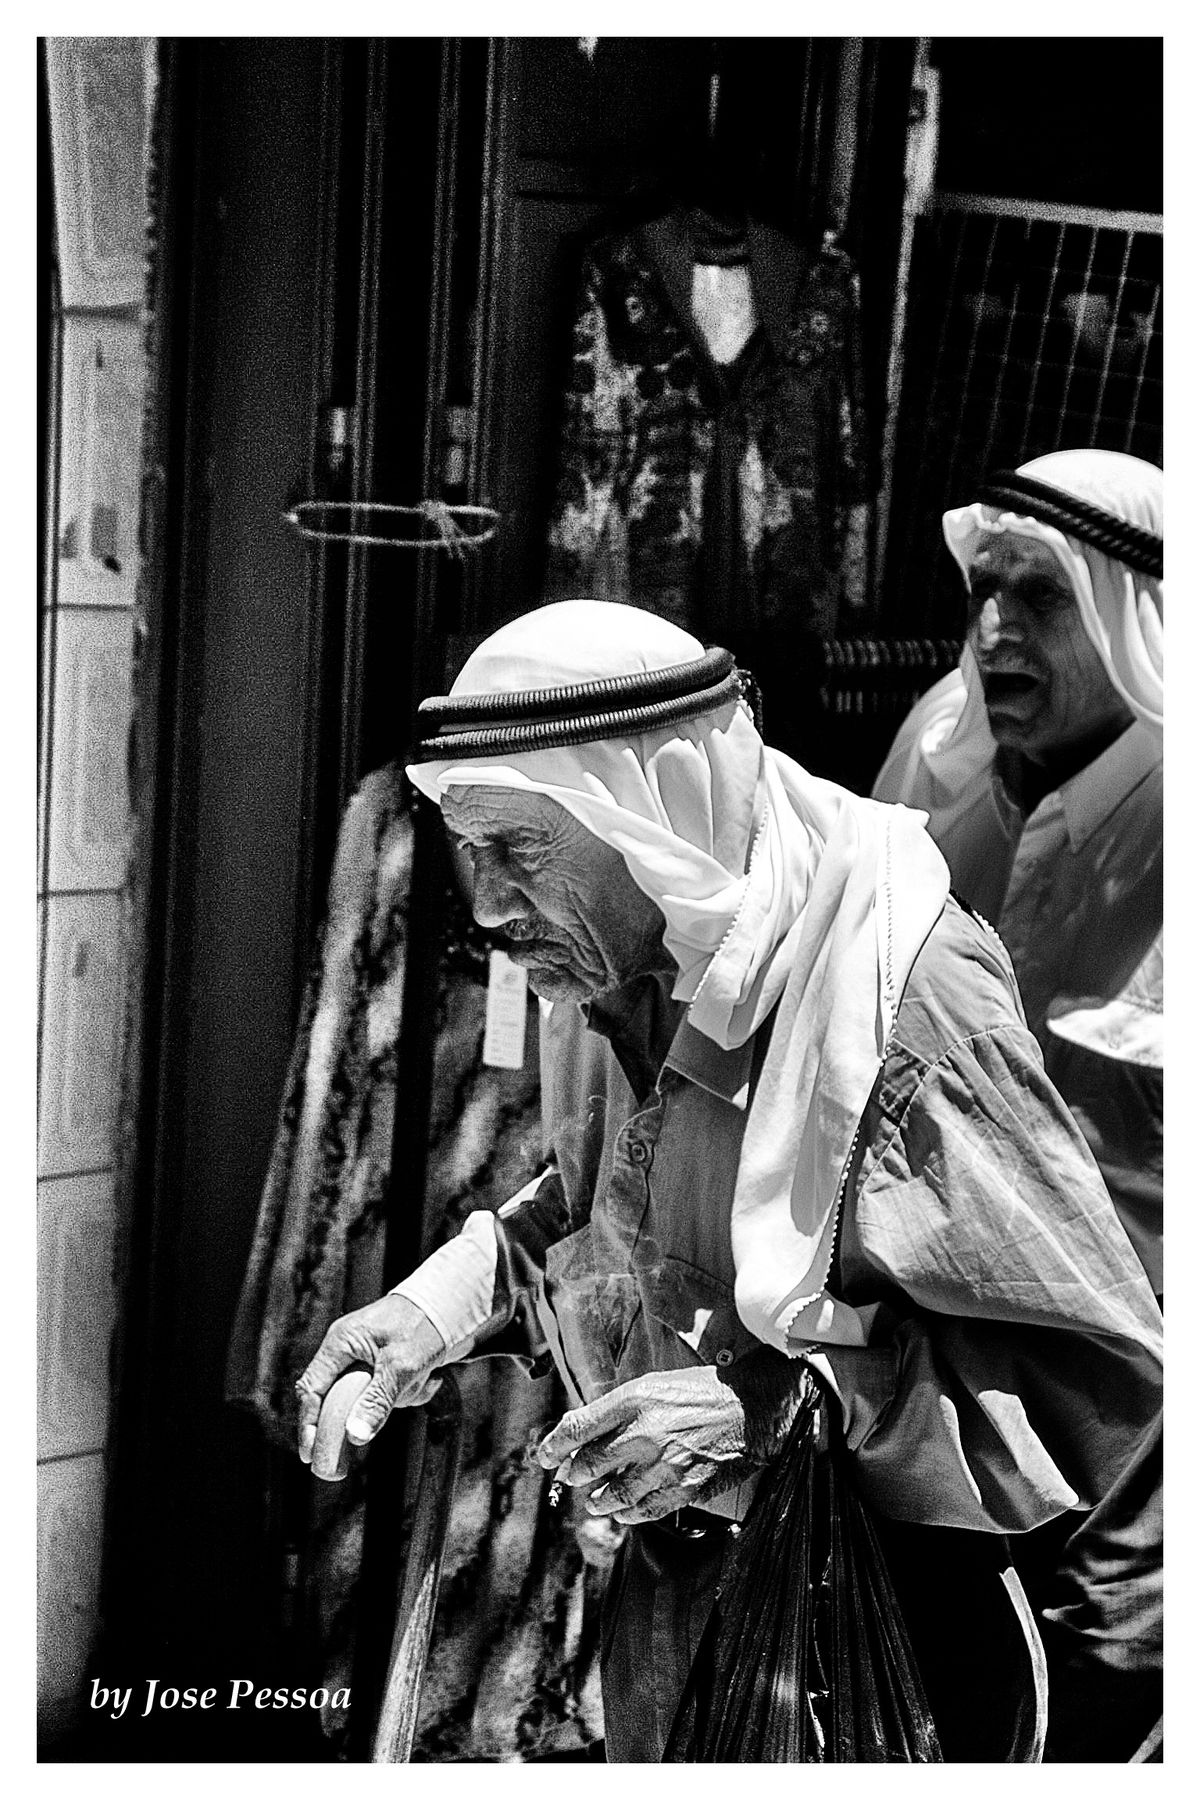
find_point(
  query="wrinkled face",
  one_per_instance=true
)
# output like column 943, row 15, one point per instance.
column 1044, row 684
column 568, row 906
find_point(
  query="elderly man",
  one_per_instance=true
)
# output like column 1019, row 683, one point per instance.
column 805, row 1130
column 1040, row 766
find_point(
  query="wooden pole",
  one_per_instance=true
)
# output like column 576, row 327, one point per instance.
column 420, row 1576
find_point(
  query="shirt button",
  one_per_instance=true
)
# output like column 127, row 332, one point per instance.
column 724, row 1358
column 638, row 1152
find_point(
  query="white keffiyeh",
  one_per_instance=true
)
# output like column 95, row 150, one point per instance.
column 779, row 891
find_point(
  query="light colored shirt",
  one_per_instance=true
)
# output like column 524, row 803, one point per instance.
column 723, row 307
column 1010, row 1341
column 1075, row 891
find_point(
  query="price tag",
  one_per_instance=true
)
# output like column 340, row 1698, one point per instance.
column 504, row 1031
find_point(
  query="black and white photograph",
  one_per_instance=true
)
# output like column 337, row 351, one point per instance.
column 599, row 835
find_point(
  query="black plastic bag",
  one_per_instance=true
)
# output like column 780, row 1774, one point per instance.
column 805, row 1657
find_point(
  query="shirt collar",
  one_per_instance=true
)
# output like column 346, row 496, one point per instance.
column 777, row 266
column 631, row 1017
column 1094, row 794
column 725, row 1073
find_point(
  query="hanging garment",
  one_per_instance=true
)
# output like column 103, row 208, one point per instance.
column 318, row 1243
column 728, row 496
column 513, row 1669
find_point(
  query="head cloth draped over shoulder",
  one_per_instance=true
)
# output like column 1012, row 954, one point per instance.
column 947, row 741
column 778, row 890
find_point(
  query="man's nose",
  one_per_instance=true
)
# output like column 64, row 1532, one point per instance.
column 997, row 623
column 987, row 626
column 494, row 898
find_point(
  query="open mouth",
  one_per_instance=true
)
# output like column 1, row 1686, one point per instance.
column 1008, row 689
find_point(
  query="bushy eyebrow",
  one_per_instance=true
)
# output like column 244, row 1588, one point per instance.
column 1028, row 581
column 502, row 836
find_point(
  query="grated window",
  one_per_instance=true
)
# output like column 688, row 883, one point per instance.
column 1030, row 329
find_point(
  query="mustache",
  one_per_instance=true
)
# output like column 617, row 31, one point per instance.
column 1005, row 662
column 1006, row 669
column 534, row 937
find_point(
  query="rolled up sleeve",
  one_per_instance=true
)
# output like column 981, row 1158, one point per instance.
column 481, row 1288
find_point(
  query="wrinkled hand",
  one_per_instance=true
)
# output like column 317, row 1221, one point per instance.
column 393, row 1338
column 653, row 1445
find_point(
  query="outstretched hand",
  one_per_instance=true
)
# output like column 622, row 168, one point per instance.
column 652, row 1446
column 397, row 1344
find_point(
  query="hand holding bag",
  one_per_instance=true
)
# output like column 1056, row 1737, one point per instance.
column 805, row 1657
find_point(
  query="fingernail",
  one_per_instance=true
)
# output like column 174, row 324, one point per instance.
column 358, row 1431
column 308, row 1438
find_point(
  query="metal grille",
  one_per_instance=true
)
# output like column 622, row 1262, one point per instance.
column 1030, row 329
